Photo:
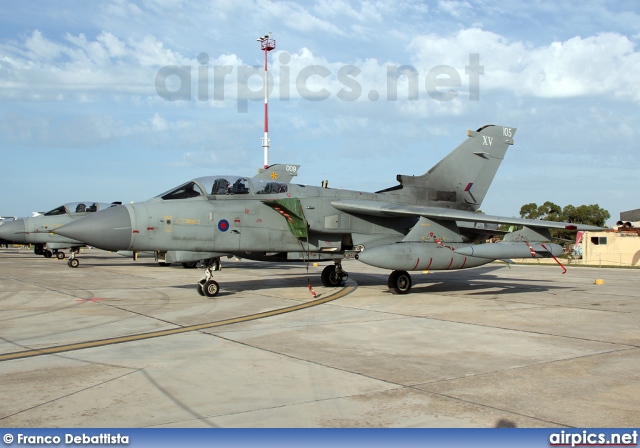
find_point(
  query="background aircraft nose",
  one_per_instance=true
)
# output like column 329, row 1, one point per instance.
column 13, row 231
column 108, row 229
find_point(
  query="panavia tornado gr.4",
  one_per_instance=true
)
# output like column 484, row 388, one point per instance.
column 424, row 222
column 37, row 230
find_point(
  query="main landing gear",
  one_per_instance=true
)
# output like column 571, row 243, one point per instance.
column 333, row 276
column 40, row 249
column 207, row 286
column 399, row 282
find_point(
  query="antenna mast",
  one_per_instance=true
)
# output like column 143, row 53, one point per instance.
column 266, row 44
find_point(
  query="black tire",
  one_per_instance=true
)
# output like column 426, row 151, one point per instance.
column 47, row 254
column 399, row 282
column 199, row 288
column 73, row 263
column 190, row 265
column 60, row 255
column 210, row 288
column 330, row 277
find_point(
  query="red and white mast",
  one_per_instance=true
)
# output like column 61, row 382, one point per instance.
column 266, row 44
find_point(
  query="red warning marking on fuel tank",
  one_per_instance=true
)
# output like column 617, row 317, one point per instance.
column 94, row 300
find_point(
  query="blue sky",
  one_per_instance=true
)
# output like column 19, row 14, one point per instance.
column 83, row 115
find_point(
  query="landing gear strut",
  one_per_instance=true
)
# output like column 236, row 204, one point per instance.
column 333, row 276
column 399, row 282
column 207, row 286
column 73, row 262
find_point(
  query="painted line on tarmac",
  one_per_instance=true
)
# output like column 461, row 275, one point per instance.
column 352, row 286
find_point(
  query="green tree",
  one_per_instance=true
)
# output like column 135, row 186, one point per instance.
column 586, row 214
column 583, row 214
column 529, row 211
column 547, row 211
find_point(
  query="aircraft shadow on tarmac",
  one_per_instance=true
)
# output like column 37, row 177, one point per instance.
column 225, row 264
column 230, row 288
column 480, row 281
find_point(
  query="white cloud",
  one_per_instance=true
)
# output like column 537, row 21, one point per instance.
column 89, row 130
column 596, row 65
column 158, row 123
column 42, row 69
column 295, row 17
column 457, row 9
column 603, row 64
column 40, row 48
column 79, row 68
column 340, row 9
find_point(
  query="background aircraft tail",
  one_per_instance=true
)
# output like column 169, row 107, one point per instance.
column 462, row 178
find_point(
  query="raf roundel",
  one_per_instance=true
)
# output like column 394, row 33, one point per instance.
column 223, row 225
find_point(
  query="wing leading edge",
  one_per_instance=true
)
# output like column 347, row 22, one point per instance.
column 387, row 209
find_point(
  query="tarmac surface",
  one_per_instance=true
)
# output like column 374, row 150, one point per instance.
column 131, row 344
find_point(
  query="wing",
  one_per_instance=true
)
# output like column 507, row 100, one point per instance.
column 388, row 209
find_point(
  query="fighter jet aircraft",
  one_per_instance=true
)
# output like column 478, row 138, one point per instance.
column 37, row 229
column 424, row 222
column 4, row 219
column 275, row 174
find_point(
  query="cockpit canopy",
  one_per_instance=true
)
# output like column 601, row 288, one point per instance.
column 79, row 207
column 224, row 185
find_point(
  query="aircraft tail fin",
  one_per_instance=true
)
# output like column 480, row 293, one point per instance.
column 461, row 180
column 279, row 171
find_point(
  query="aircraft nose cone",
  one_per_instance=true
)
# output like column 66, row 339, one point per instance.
column 13, row 231
column 108, row 229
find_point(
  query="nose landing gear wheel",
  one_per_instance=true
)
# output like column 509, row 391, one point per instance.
column 399, row 282
column 210, row 288
column 73, row 263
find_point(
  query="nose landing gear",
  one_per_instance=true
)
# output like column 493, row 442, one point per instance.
column 207, row 286
column 73, row 262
